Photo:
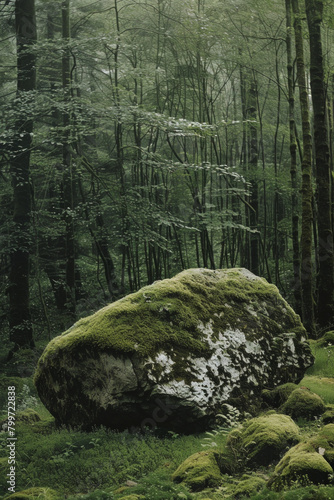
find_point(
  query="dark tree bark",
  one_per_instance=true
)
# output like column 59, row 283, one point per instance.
column 21, row 332
column 325, row 282
column 307, row 212
column 68, row 177
column 253, row 161
column 293, row 165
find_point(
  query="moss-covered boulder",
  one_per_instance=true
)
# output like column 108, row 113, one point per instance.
column 199, row 471
column 310, row 461
column 277, row 396
column 28, row 415
column 248, row 486
column 323, row 442
column 328, row 416
column 263, row 440
column 173, row 352
column 303, row 403
column 301, row 463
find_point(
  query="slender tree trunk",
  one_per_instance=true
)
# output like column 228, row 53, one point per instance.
column 325, row 283
column 253, row 160
column 293, row 165
column 21, row 332
column 68, row 177
column 306, row 235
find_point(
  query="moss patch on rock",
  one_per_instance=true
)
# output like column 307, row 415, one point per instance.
column 199, row 471
column 182, row 300
column 248, row 486
column 262, row 440
column 302, row 403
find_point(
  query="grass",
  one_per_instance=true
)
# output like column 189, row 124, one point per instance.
column 323, row 386
column 324, row 359
column 319, row 378
column 77, row 462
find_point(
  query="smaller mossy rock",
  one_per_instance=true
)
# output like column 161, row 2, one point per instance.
column 326, row 340
column 248, row 487
column 276, row 397
column 301, row 463
column 199, row 471
column 262, row 440
column 28, row 416
column 328, row 416
column 323, row 443
column 302, row 403
column 35, row 493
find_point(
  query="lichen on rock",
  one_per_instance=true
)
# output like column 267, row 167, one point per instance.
column 173, row 352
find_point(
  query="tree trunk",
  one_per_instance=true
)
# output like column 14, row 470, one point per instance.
column 68, row 177
column 293, row 165
column 325, row 283
column 306, row 235
column 21, row 332
column 253, row 160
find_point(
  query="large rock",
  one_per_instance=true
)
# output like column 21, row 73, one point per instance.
column 170, row 354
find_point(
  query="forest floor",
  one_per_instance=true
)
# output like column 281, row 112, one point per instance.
column 103, row 464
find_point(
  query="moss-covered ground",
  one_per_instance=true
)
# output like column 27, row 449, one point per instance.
column 100, row 465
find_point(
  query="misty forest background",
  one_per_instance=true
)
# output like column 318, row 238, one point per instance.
column 142, row 137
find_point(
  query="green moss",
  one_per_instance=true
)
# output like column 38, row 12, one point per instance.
column 261, row 440
column 199, row 471
column 28, row 415
column 35, row 493
column 302, row 403
column 248, row 487
column 328, row 417
column 276, row 397
column 325, row 440
column 323, row 386
column 301, row 463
